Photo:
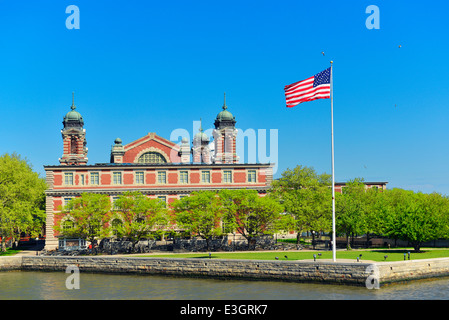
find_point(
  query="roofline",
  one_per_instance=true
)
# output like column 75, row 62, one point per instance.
column 364, row 182
column 158, row 165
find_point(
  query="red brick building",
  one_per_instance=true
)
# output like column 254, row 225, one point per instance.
column 152, row 165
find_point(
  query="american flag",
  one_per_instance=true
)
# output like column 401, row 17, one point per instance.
column 316, row 87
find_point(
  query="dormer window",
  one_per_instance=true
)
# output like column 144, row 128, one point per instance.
column 152, row 157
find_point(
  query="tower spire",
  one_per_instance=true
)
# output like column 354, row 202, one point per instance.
column 224, row 102
column 73, row 101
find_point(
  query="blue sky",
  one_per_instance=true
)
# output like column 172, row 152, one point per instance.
column 155, row 66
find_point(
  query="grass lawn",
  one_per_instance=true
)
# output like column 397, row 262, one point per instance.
column 373, row 254
column 9, row 252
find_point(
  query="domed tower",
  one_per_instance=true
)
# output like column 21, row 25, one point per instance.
column 74, row 138
column 200, row 150
column 225, row 135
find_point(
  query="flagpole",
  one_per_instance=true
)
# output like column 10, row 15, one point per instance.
column 334, row 242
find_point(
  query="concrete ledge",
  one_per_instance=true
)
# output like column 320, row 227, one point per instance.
column 390, row 272
column 297, row 271
column 10, row 263
column 343, row 272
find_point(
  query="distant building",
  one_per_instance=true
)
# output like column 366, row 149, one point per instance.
column 152, row 165
column 368, row 185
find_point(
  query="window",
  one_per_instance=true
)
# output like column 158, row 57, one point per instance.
column 65, row 202
column 251, row 175
column 67, row 226
column 73, row 145
column 95, row 178
column 205, row 176
column 114, row 199
column 82, row 179
column 227, row 176
column 117, row 178
column 163, row 199
column 184, row 177
column 151, row 157
column 140, row 177
column 68, row 179
column 161, row 177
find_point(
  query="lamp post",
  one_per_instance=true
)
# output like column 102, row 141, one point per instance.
column 37, row 246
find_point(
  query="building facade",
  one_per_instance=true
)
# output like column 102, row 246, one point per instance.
column 152, row 165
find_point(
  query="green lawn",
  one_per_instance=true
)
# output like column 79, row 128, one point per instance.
column 9, row 252
column 374, row 255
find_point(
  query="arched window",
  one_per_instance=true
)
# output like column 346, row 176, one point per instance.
column 73, row 146
column 152, row 157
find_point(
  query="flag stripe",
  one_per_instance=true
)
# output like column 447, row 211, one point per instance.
column 305, row 98
column 323, row 92
column 308, row 90
column 294, row 85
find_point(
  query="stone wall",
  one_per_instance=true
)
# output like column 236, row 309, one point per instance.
column 10, row 263
column 349, row 273
column 412, row 269
column 352, row 273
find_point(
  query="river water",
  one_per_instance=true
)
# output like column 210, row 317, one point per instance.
column 31, row 285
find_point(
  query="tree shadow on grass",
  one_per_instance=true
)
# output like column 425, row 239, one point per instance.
column 398, row 251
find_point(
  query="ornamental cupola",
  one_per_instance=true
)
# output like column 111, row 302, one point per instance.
column 74, row 138
column 73, row 118
column 225, row 135
column 201, row 150
column 224, row 118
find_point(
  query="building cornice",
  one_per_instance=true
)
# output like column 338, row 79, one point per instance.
column 113, row 166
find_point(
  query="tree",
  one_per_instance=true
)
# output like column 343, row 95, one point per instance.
column 84, row 217
column 200, row 215
column 22, row 198
column 307, row 196
column 417, row 217
column 136, row 216
column 351, row 209
column 251, row 215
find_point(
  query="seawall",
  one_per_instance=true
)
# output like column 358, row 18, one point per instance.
column 10, row 263
column 350, row 273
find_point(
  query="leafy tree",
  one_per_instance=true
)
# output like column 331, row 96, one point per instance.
column 22, row 199
column 417, row 217
column 307, row 196
column 136, row 216
column 200, row 214
column 377, row 212
column 251, row 215
column 84, row 217
column 351, row 209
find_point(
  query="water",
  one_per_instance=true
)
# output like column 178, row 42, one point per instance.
column 52, row 286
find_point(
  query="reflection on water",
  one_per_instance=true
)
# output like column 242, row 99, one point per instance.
column 51, row 285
